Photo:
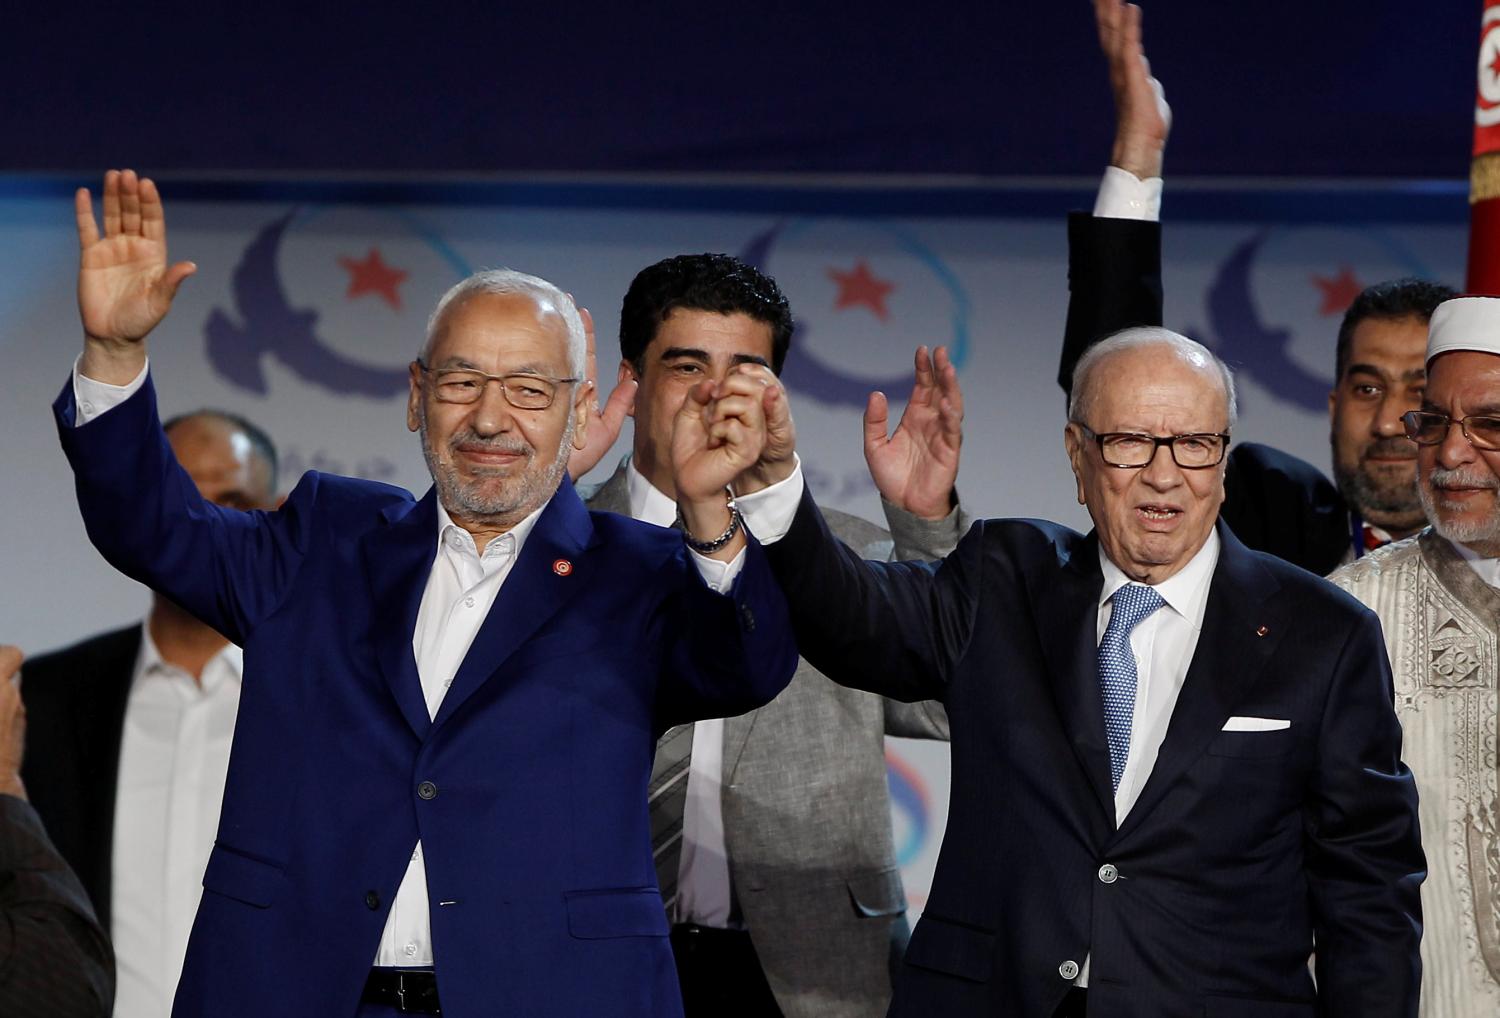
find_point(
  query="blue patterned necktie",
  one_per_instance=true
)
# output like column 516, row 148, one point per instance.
column 1132, row 603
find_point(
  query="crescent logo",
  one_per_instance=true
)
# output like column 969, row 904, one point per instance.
column 1251, row 345
column 808, row 373
column 269, row 326
column 1260, row 350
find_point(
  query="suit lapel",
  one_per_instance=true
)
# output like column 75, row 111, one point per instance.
column 398, row 560
column 736, row 734
column 1240, row 632
column 1067, row 608
column 538, row 585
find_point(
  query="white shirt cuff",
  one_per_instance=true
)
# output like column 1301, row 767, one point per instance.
column 1123, row 195
column 719, row 576
column 92, row 398
column 769, row 512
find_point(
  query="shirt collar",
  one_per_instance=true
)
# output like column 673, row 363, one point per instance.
column 647, row 503
column 1185, row 591
column 1487, row 568
column 231, row 658
column 451, row 535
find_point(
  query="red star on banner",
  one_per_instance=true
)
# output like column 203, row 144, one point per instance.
column 1495, row 64
column 1338, row 292
column 861, row 287
column 373, row 275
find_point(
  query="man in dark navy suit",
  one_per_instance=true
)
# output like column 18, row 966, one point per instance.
column 1176, row 767
column 436, row 798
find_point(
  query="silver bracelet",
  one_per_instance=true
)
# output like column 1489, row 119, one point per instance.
column 709, row 547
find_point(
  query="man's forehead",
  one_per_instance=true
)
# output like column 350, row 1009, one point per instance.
column 1473, row 373
column 699, row 329
column 1142, row 376
column 479, row 326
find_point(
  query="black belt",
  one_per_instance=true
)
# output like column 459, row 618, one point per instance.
column 409, row 991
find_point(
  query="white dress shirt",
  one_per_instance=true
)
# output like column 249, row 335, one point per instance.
column 174, row 755
column 703, row 887
column 460, row 591
column 1123, row 195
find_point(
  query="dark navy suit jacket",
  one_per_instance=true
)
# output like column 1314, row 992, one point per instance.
column 1243, row 845
column 527, row 790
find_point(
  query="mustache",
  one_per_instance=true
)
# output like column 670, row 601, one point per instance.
column 497, row 443
column 1458, row 477
column 1390, row 448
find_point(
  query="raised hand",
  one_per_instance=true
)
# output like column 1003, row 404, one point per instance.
column 1142, row 117
column 717, row 434
column 603, row 425
column 125, row 286
column 916, row 466
column 777, row 460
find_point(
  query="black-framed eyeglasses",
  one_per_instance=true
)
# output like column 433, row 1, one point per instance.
column 1427, row 427
column 1129, row 449
column 522, row 390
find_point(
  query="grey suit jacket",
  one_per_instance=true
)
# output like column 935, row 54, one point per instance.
column 806, row 812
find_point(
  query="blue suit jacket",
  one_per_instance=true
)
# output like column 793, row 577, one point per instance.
column 1242, row 846
column 527, row 790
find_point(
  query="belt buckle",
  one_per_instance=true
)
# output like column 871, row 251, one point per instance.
column 401, row 992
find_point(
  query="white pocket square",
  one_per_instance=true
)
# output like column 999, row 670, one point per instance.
column 1256, row 725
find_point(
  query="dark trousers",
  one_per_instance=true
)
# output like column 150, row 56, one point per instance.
column 1074, row 1005
column 720, row 975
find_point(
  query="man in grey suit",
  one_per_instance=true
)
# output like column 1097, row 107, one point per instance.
column 772, row 830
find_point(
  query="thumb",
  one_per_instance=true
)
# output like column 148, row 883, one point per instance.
column 621, row 401
column 693, row 405
column 877, row 420
column 172, row 279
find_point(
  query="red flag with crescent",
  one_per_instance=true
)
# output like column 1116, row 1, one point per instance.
column 1484, row 170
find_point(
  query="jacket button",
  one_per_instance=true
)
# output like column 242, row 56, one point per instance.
column 427, row 790
column 372, row 900
column 747, row 617
column 1068, row 970
column 1108, row 874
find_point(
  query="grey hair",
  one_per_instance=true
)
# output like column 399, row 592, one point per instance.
column 1192, row 352
column 505, row 282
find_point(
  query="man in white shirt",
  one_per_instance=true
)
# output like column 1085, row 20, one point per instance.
column 1438, row 598
column 129, row 741
column 435, row 800
column 1175, row 760
column 773, row 846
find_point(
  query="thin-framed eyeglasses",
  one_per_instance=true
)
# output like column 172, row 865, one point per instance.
column 1427, row 427
column 1130, row 449
column 522, row 389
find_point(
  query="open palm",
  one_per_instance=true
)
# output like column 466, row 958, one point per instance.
column 916, row 466
column 125, row 285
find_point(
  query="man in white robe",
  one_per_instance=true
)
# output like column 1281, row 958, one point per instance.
column 1438, row 598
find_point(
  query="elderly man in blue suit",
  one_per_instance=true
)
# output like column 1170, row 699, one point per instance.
column 1176, row 765
column 436, row 798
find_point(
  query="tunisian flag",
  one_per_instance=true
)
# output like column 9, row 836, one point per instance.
column 1484, row 171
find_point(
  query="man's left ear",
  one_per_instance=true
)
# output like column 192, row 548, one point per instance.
column 1073, row 443
column 581, row 414
column 414, row 398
